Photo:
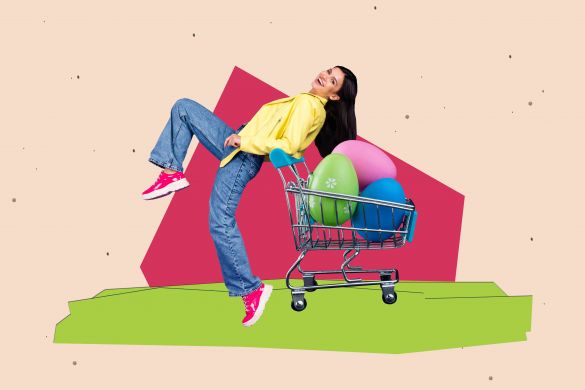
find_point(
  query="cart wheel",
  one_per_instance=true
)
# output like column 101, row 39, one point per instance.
column 390, row 298
column 312, row 283
column 299, row 305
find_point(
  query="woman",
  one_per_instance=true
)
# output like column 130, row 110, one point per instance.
column 325, row 115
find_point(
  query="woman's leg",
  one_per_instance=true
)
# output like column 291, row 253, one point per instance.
column 229, row 184
column 188, row 118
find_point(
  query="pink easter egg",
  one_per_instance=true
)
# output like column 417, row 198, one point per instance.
column 369, row 161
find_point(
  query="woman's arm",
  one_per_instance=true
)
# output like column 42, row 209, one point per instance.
column 302, row 122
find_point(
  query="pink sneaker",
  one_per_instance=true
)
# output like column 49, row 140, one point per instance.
column 255, row 302
column 165, row 184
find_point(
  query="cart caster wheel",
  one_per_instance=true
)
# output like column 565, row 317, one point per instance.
column 312, row 283
column 390, row 298
column 299, row 305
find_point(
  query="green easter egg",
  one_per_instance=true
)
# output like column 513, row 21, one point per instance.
column 334, row 174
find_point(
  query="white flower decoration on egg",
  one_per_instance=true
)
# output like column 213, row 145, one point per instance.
column 331, row 182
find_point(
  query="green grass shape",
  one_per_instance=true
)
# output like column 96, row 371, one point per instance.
column 427, row 316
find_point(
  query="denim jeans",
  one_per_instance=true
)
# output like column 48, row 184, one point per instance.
column 190, row 118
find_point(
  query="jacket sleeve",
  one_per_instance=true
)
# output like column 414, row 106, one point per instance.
column 302, row 122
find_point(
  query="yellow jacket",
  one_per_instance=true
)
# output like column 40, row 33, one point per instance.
column 291, row 124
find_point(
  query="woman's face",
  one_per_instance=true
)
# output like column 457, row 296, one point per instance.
column 328, row 83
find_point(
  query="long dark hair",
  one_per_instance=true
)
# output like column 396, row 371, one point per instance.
column 339, row 122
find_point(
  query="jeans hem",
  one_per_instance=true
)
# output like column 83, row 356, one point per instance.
column 246, row 292
column 164, row 165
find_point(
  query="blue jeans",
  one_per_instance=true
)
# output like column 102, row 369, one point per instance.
column 190, row 118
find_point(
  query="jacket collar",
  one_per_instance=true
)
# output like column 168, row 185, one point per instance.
column 321, row 99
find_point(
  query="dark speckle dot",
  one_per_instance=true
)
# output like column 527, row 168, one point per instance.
column 36, row 169
column 510, row 56
column 531, row 238
column 407, row 116
column 43, row 21
column 71, row 78
column 542, row 91
column 421, row 76
column 133, row 151
column 107, row 253
column 74, row 363
column 512, row 112
column 529, row 103
column 193, row 34
column 78, row 76
column 13, row 200
column 23, row 148
column 443, row 107
column 270, row 22
column 491, row 378
column 375, row 7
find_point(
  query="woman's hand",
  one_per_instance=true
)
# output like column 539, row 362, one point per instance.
column 232, row 140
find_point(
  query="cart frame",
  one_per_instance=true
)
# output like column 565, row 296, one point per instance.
column 310, row 235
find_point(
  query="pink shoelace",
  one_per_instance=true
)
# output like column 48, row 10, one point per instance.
column 248, row 305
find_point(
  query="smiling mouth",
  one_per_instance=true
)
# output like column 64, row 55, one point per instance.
column 319, row 81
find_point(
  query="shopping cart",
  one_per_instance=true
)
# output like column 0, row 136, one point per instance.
column 310, row 235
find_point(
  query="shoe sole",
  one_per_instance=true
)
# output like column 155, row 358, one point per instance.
column 263, row 299
column 174, row 186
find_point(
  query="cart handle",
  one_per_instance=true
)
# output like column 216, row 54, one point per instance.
column 281, row 159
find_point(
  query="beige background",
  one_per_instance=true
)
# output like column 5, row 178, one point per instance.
column 72, row 221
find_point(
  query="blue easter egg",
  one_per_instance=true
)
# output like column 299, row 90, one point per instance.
column 366, row 215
